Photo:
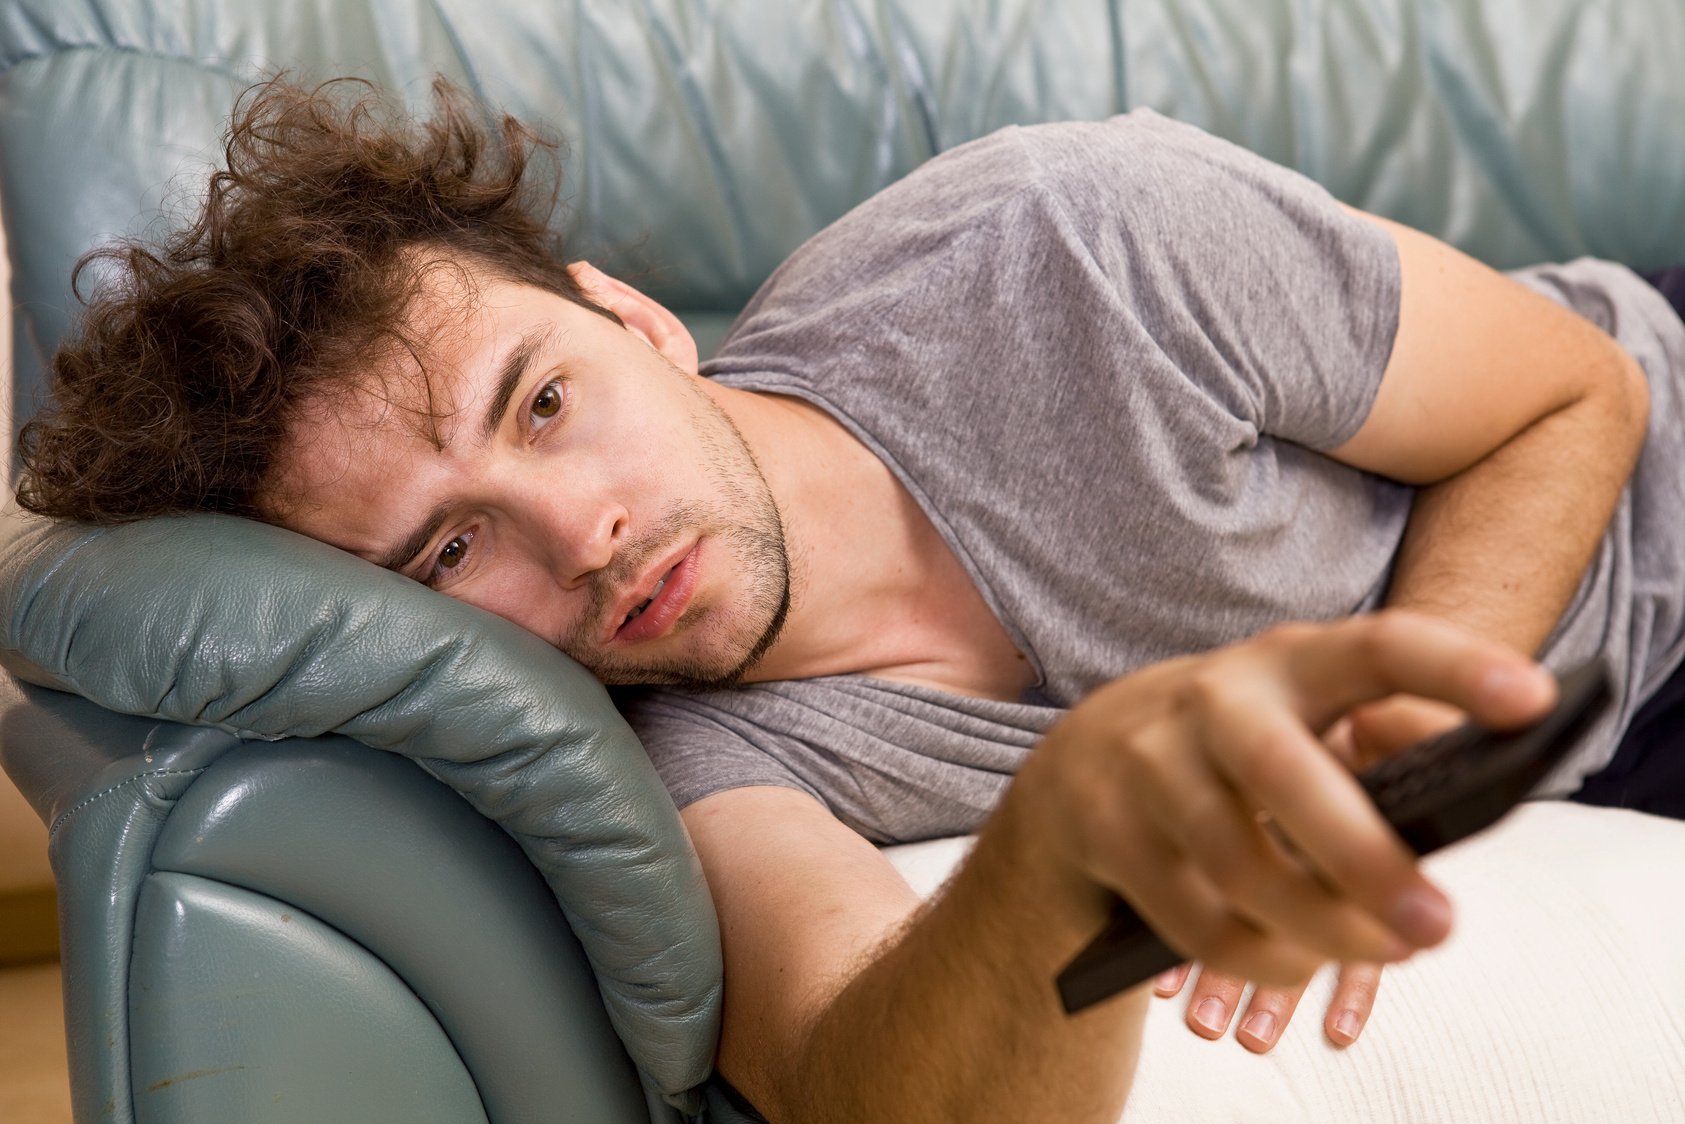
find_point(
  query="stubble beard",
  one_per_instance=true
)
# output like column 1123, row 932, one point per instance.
column 744, row 519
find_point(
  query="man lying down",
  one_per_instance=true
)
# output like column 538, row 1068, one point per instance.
column 991, row 516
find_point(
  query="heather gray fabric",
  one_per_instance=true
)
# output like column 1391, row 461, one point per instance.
column 1102, row 357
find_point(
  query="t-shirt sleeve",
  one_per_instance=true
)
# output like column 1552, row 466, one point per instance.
column 698, row 750
column 1278, row 303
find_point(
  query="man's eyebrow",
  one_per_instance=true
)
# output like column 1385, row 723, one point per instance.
column 511, row 374
column 509, row 378
column 399, row 556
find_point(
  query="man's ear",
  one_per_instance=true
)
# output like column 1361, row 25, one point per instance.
column 647, row 318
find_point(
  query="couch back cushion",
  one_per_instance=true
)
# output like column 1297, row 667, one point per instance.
column 704, row 142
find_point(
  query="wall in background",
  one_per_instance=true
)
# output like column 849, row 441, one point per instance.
column 27, row 906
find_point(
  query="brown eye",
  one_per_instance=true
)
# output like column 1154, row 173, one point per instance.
column 549, row 401
column 450, row 562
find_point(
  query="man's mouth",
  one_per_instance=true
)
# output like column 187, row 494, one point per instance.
column 634, row 614
column 669, row 594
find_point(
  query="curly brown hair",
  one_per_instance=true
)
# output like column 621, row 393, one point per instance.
column 193, row 356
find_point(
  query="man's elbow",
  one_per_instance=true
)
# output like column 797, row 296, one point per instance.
column 1622, row 394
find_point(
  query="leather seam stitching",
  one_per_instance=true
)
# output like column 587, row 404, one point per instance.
column 58, row 821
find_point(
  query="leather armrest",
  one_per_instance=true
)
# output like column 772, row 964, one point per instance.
column 250, row 633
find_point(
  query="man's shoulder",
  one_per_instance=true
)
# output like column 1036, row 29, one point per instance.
column 968, row 213
column 983, row 176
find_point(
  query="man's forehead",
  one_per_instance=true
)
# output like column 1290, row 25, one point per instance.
column 466, row 317
column 444, row 320
column 422, row 378
column 357, row 436
column 350, row 444
column 433, row 384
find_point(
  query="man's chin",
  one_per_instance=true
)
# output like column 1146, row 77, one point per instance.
column 694, row 671
column 715, row 671
column 684, row 678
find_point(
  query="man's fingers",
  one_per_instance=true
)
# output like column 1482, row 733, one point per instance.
column 1318, row 806
column 1372, row 657
column 1354, row 998
column 1182, row 906
column 1170, row 982
column 1200, row 790
column 1267, row 1016
column 1379, row 730
column 1340, row 740
column 1216, row 995
column 1263, row 744
column 1201, row 815
column 1213, row 1001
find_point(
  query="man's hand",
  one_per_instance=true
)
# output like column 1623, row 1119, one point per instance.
column 1370, row 734
column 1366, row 736
column 1200, row 791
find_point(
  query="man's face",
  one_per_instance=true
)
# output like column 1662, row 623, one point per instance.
column 581, row 475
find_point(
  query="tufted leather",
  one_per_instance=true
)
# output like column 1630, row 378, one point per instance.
column 706, row 140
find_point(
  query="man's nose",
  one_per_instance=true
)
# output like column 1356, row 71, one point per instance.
column 595, row 533
column 579, row 531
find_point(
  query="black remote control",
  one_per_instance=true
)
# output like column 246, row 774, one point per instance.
column 1433, row 794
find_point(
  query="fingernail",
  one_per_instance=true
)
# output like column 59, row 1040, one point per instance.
column 1420, row 917
column 1168, row 981
column 1346, row 1026
column 1261, row 1025
column 1211, row 1015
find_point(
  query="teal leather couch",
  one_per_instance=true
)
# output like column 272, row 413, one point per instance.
column 333, row 848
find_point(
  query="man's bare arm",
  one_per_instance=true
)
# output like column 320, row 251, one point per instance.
column 1520, row 420
column 846, row 1001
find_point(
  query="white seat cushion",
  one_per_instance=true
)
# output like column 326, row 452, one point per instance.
column 1560, row 995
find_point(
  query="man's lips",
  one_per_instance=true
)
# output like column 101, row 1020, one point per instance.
column 676, row 575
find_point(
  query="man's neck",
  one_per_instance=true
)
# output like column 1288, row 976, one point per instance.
column 875, row 590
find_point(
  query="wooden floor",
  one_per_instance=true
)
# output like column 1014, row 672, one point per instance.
column 34, row 1088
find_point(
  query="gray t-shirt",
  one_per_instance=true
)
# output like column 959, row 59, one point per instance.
column 1104, row 358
